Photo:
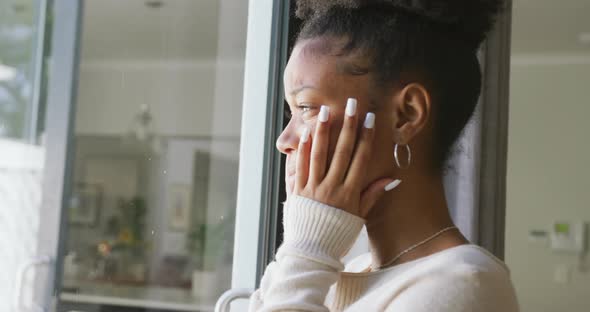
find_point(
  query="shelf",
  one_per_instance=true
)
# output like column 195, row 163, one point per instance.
column 173, row 299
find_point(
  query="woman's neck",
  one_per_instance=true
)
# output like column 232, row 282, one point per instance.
column 407, row 215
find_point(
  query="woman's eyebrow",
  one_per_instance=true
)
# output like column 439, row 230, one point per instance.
column 297, row 90
column 350, row 68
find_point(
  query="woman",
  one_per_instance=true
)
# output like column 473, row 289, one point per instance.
column 379, row 91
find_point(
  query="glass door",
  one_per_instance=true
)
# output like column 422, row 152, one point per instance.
column 158, row 129
column 155, row 152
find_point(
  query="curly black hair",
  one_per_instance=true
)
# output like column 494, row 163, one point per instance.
column 434, row 40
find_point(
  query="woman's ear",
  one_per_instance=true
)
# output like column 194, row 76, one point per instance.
column 412, row 112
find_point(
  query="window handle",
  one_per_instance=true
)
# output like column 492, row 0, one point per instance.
column 224, row 300
column 19, row 303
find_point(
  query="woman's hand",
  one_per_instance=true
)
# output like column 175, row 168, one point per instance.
column 340, row 185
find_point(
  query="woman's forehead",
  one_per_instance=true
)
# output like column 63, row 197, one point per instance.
column 310, row 69
column 302, row 68
column 314, row 62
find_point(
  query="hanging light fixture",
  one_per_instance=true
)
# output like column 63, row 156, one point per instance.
column 154, row 4
column 142, row 129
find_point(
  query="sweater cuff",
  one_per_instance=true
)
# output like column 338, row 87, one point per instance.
column 318, row 230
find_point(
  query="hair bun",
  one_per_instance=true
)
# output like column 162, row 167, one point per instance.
column 473, row 18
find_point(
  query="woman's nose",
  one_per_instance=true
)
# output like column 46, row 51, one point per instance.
column 288, row 140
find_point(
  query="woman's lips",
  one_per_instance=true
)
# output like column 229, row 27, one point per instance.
column 290, row 181
column 290, row 177
column 291, row 171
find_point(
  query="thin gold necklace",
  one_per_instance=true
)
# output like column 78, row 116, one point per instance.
column 433, row 236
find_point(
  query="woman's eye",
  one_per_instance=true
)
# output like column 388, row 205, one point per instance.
column 304, row 108
column 300, row 110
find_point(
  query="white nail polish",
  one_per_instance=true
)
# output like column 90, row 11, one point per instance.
column 324, row 113
column 392, row 185
column 351, row 107
column 370, row 121
column 305, row 135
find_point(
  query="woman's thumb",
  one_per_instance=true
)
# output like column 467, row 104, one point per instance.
column 372, row 193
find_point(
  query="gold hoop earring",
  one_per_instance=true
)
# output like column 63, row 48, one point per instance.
column 396, row 157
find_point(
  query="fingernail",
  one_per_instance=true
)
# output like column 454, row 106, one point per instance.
column 324, row 113
column 305, row 135
column 351, row 107
column 370, row 121
column 392, row 185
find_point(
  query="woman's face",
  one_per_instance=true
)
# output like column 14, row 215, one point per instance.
column 314, row 78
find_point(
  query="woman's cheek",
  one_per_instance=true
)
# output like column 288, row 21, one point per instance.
column 335, row 129
column 311, row 124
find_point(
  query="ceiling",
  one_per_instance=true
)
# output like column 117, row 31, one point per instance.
column 129, row 29
column 550, row 26
column 189, row 29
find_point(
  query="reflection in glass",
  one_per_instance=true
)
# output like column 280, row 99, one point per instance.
column 22, row 158
column 18, row 67
column 152, row 205
column 141, row 130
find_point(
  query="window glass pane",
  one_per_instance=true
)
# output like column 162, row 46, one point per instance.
column 157, row 129
column 21, row 159
column 18, row 34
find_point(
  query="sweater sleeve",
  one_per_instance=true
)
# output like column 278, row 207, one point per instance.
column 464, row 289
column 308, row 262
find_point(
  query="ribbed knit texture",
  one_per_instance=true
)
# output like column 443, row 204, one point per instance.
column 307, row 274
column 317, row 229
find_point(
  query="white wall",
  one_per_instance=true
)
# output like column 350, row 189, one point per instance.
column 179, row 167
column 180, row 95
column 547, row 179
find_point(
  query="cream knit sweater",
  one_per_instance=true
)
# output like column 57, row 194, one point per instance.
column 308, row 275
